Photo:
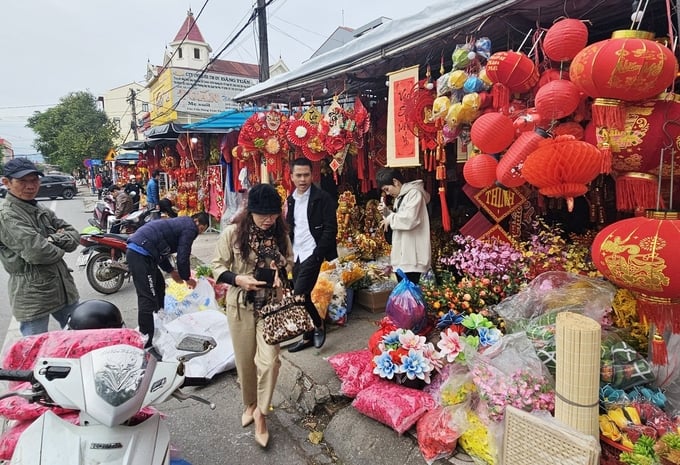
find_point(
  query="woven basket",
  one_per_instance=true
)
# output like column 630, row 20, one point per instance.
column 611, row 451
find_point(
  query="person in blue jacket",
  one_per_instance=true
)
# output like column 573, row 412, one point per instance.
column 149, row 250
column 153, row 195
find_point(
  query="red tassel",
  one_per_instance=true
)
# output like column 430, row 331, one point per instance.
column 659, row 351
column 501, row 97
column 637, row 190
column 446, row 218
column 606, row 164
column 609, row 113
column 663, row 313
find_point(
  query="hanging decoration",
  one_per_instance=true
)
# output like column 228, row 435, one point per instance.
column 492, row 132
column 509, row 169
column 564, row 39
column 402, row 147
column 557, row 99
column 562, row 167
column 510, row 72
column 480, row 170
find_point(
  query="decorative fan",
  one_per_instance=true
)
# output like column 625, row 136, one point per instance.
column 300, row 132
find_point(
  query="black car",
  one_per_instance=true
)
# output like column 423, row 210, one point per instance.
column 52, row 186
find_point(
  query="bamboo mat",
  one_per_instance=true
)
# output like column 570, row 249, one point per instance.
column 577, row 379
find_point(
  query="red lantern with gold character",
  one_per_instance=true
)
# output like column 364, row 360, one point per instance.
column 562, row 167
column 628, row 67
column 510, row 72
column 639, row 254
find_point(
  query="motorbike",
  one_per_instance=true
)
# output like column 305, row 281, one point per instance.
column 103, row 257
column 108, row 386
column 103, row 210
column 107, row 222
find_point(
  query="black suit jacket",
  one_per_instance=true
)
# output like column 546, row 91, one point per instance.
column 323, row 223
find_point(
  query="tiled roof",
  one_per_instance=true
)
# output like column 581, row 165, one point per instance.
column 235, row 68
column 190, row 26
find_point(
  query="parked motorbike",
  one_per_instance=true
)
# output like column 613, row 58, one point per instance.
column 102, row 211
column 125, row 225
column 104, row 260
column 108, row 386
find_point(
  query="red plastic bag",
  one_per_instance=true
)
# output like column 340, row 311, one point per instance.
column 438, row 431
column 406, row 305
column 394, row 405
column 355, row 370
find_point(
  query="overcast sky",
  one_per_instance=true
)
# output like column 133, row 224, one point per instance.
column 53, row 47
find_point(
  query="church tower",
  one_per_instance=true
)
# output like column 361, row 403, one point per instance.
column 188, row 49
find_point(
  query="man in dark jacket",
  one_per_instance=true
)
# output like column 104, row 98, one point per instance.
column 135, row 190
column 149, row 248
column 313, row 227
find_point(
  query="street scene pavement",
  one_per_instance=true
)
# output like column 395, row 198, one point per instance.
column 310, row 422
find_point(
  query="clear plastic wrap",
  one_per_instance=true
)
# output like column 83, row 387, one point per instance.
column 438, row 431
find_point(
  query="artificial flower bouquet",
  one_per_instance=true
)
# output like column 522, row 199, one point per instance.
column 405, row 355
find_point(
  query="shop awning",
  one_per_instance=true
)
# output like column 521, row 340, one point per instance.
column 127, row 158
column 229, row 120
column 170, row 130
column 425, row 37
column 147, row 144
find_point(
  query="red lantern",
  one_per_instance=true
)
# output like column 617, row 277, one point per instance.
column 565, row 39
column 639, row 254
column 551, row 74
column 562, row 167
column 492, row 132
column 508, row 171
column 557, row 99
column 570, row 128
column 627, row 67
column 480, row 171
column 513, row 69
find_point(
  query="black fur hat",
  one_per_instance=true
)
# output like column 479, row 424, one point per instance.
column 264, row 200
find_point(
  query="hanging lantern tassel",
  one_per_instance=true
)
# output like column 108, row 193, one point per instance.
column 636, row 191
column 662, row 312
column 606, row 151
column 659, row 350
column 609, row 112
column 440, row 175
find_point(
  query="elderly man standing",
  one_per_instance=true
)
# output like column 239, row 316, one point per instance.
column 33, row 241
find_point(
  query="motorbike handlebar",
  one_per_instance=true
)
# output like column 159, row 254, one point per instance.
column 16, row 375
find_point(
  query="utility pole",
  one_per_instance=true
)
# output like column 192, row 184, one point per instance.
column 131, row 101
column 262, row 36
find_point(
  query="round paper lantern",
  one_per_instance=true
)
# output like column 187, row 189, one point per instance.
column 639, row 254
column 508, row 171
column 565, row 39
column 480, row 171
column 628, row 67
column 562, row 167
column 549, row 75
column 513, row 69
column 492, row 132
column 557, row 99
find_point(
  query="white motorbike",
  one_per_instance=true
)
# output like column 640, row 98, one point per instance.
column 108, row 386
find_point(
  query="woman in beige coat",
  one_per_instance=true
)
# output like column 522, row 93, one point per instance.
column 257, row 240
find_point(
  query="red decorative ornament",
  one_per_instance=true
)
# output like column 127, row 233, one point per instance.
column 514, row 70
column 551, row 74
column 508, row 171
column 570, row 128
column 640, row 254
column 565, row 39
column 480, row 171
column 300, row 132
column 557, row 99
column 492, row 132
column 628, row 67
column 562, row 167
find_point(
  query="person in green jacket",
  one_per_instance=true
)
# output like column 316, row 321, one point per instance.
column 33, row 241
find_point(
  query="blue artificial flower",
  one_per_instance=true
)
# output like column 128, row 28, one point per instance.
column 488, row 336
column 391, row 340
column 414, row 365
column 384, row 366
column 448, row 319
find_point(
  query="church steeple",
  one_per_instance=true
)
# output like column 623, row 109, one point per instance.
column 189, row 48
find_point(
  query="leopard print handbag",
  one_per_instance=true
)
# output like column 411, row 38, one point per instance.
column 286, row 319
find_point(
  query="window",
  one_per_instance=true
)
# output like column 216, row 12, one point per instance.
column 179, row 52
column 145, row 106
column 197, row 53
column 116, row 122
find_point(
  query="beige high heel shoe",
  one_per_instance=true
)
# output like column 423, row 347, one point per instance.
column 247, row 417
column 262, row 438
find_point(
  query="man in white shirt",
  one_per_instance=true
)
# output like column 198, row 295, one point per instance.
column 313, row 228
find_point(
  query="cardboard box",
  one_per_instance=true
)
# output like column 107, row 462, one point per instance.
column 373, row 302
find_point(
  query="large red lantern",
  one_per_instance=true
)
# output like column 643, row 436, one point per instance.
column 562, row 167
column 639, row 254
column 557, row 99
column 565, row 39
column 480, row 171
column 628, row 67
column 570, row 128
column 510, row 72
column 492, row 132
column 508, row 172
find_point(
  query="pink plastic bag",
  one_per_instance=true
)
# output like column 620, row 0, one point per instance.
column 394, row 405
column 355, row 370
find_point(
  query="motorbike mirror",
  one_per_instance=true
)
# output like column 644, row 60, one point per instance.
column 196, row 343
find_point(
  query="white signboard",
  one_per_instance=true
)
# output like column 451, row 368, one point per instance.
column 213, row 93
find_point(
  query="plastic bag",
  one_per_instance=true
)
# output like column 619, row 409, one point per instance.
column 621, row 366
column 438, row 431
column 355, row 371
column 208, row 323
column 181, row 299
column 394, row 405
column 406, row 305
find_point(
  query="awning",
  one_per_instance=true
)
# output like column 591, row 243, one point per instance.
column 229, row 120
column 171, row 130
column 127, row 158
column 423, row 38
column 147, row 144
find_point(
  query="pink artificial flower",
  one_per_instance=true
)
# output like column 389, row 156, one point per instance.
column 410, row 340
column 450, row 345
